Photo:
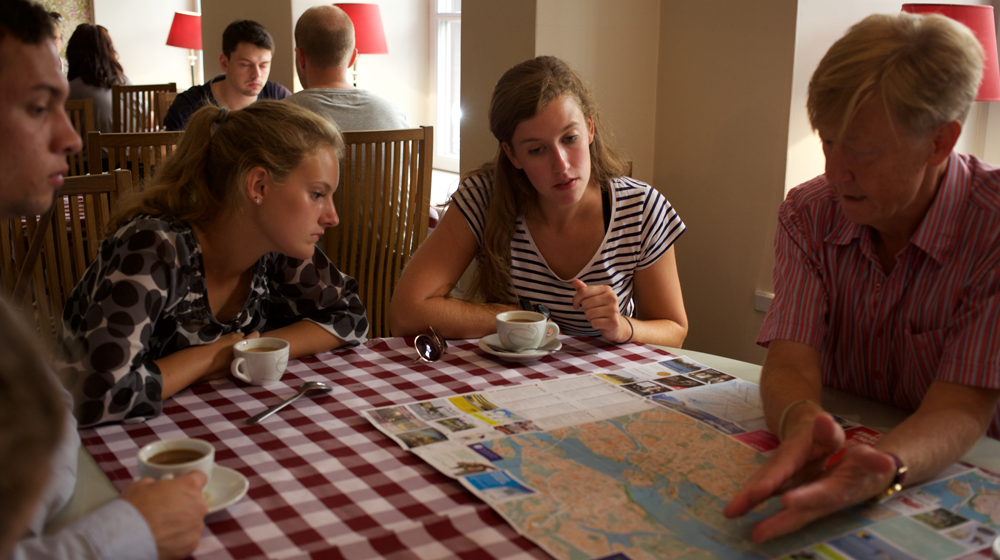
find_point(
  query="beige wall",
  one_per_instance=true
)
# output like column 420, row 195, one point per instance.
column 495, row 36
column 721, row 137
column 622, row 71
column 275, row 15
column 613, row 44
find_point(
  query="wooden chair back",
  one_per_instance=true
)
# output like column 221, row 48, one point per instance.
column 81, row 114
column 383, row 202
column 45, row 256
column 161, row 103
column 132, row 106
column 139, row 152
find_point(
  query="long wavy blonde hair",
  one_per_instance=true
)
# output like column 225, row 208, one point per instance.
column 522, row 92
column 204, row 175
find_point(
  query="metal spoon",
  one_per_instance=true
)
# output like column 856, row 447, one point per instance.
column 428, row 348
column 305, row 388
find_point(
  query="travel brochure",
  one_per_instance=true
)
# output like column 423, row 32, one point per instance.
column 638, row 464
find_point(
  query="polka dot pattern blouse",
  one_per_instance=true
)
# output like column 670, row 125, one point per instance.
column 144, row 297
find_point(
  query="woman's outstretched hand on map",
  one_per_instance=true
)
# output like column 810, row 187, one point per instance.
column 796, row 470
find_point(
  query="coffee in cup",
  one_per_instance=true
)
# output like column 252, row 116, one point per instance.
column 171, row 458
column 520, row 330
column 260, row 361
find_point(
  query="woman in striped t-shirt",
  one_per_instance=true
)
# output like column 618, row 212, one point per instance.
column 551, row 220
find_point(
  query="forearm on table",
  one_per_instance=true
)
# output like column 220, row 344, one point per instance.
column 452, row 317
column 663, row 332
column 306, row 338
column 791, row 373
column 188, row 366
column 950, row 420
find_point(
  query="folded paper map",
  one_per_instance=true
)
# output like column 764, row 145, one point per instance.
column 639, row 463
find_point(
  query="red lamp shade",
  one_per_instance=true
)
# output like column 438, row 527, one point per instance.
column 980, row 20
column 369, row 37
column 185, row 32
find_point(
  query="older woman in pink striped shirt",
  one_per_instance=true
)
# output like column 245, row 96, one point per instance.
column 887, row 276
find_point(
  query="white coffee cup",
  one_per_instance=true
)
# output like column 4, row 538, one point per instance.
column 519, row 330
column 260, row 361
column 170, row 458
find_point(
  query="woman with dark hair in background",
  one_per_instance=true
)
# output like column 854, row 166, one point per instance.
column 93, row 69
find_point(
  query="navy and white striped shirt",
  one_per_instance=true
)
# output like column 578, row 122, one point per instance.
column 643, row 226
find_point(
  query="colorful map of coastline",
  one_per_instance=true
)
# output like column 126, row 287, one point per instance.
column 652, row 485
column 639, row 463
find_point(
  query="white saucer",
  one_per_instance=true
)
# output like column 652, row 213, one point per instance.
column 494, row 339
column 225, row 488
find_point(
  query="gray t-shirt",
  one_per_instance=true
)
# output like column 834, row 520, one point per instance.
column 351, row 109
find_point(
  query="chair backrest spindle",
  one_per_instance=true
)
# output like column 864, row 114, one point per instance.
column 133, row 107
column 45, row 256
column 81, row 114
column 383, row 202
column 140, row 152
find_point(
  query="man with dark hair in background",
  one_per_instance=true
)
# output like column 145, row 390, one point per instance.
column 247, row 49
column 153, row 518
column 324, row 54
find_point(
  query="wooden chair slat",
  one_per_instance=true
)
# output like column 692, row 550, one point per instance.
column 133, row 106
column 383, row 203
column 137, row 151
column 66, row 246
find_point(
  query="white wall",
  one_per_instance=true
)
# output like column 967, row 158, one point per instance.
column 139, row 29
column 819, row 23
column 403, row 75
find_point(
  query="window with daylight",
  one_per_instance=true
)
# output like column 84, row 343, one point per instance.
column 446, row 66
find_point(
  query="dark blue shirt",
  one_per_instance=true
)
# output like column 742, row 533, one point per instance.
column 198, row 96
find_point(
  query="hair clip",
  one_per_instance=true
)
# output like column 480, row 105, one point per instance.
column 223, row 116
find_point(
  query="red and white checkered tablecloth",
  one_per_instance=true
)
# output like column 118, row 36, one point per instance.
column 325, row 483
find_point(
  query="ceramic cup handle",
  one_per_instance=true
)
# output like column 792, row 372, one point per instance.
column 237, row 372
column 551, row 332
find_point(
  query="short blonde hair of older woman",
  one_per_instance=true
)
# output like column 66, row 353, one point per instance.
column 926, row 67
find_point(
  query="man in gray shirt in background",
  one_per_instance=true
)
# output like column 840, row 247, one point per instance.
column 324, row 54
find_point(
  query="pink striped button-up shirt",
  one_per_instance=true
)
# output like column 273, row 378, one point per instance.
column 936, row 317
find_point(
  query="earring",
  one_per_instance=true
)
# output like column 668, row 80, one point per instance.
column 256, row 199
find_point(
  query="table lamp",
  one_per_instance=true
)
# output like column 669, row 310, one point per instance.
column 185, row 32
column 369, row 36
